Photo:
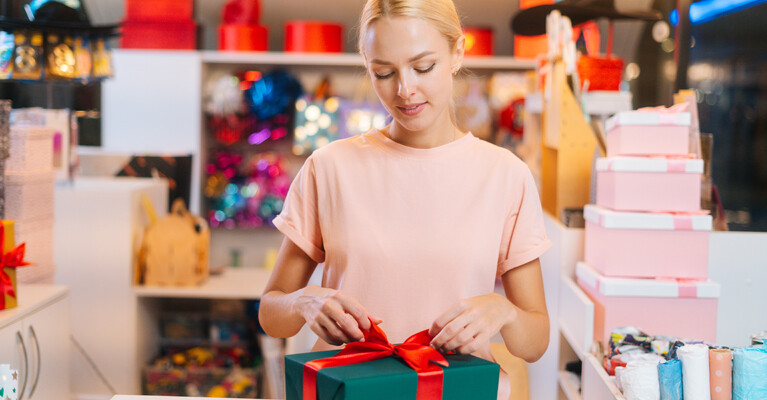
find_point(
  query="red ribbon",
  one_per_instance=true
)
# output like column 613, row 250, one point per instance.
column 416, row 352
column 11, row 259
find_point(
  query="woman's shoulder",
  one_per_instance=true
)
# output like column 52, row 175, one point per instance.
column 497, row 154
column 341, row 149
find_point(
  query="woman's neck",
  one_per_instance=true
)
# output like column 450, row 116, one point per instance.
column 434, row 136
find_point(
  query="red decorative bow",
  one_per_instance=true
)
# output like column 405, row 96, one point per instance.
column 11, row 259
column 416, row 352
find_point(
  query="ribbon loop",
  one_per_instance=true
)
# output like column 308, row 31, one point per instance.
column 415, row 352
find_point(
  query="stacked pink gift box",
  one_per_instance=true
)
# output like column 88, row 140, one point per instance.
column 646, row 245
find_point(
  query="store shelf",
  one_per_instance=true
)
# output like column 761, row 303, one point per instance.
column 345, row 60
column 234, row 283
column 597, row 103
column 595, row 383
column 570, row 384
column 576, row 316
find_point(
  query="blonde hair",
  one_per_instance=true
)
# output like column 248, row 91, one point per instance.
column 440, row 13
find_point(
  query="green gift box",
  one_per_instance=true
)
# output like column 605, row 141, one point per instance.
column 467, row 377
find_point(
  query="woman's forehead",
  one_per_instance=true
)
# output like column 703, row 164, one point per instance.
column 402, row 38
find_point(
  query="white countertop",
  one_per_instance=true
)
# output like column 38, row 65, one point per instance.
column 234, row 283
column 136, row 397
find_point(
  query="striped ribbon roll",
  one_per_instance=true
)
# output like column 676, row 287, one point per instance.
column 720, row 369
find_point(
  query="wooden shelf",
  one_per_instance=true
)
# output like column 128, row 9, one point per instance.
column 570, row 384
column 235, row 283
column 345, row 60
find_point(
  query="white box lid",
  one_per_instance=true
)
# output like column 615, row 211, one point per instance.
column 648, row 118
column 650, row 164
column 646, row 287
column 610, row 219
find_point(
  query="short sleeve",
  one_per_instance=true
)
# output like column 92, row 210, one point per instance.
column 299, row 219
column 524, row 236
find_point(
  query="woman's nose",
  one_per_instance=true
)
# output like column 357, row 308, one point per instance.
column 404, row 89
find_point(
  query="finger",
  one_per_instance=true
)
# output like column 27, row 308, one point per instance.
column 445, row 318
column 335, row 312
column 450, row 330
column 473, row 345
column 463, row 337
column 355, row 309
column 323, row 334
column 333, row 330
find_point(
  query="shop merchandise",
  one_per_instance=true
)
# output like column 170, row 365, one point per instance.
column 316, row 120
column 472, row 111
column 240, row 30
column 246, row 191
column 647, row 245
column 479, row 41
column 649, row 132
column 176, row 169
column 390, row 371
column 689, row 369
column 30, row 122
column 7, row 45
column 682, row 308
column 600, row 73
column 11, row 258
column 175, row 250
column 159, row 24
column 314, row 37
column 649, row 184
column 9, row 382
column 201, row 371
column 5, row 148
column 272, row 94
column 52, row 42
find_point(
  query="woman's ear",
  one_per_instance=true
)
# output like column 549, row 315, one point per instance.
column 458, row 52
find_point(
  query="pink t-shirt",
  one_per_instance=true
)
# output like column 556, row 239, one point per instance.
column 409, row 232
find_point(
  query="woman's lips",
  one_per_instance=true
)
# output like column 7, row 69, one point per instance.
column 412, row 109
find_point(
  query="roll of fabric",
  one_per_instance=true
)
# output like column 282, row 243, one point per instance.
column 639, row 381
column 749, row 374
column 720, row 370
column 695, row 376
column 670, row 377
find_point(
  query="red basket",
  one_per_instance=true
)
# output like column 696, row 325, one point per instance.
column 602, row 73
column 159, row 35
column 236, row 37
column 313, row 37
column 479, row 41
column 158, row 10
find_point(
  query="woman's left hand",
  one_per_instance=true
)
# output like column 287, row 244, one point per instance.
column 470, row 323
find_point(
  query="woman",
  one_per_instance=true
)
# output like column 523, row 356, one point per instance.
column 416, row 221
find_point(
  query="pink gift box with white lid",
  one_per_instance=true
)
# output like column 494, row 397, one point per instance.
column 647, row 245
column 649, row 183
column 681, row 308
column 649, row 131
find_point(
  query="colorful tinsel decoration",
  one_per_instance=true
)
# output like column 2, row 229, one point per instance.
column 246, row 192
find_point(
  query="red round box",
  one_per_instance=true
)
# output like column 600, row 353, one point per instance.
column 314, row 37
column 237, row 37
column 479, row 41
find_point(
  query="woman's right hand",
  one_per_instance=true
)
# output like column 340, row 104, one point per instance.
column 334, row 316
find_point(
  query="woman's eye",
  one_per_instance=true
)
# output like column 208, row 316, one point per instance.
column 383, row 76
column 423, row 71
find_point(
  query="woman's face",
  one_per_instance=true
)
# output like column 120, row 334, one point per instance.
column 411, row 66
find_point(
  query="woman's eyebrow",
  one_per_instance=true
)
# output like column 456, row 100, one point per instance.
column 414, row 58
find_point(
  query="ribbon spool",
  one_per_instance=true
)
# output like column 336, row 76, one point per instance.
column 313, row 37
column 237, row 37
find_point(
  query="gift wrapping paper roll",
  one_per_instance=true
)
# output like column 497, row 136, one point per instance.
column 749, row 373
column 670, row 376
column 639, row 381
column 618, row 373
column 720, row 367
column 695, row 377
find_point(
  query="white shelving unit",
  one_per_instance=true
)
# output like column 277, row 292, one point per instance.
column 245, row 283
column 570, row 385
column 346, row 60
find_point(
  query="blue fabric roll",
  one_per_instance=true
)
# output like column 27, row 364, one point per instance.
column 749, row 373
column 670, row 375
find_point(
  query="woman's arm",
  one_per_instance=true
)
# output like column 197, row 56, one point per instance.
column 287, row 303
column 521, row 317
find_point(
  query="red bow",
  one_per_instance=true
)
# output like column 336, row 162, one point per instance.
column 11, row 259
column 416, row 352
